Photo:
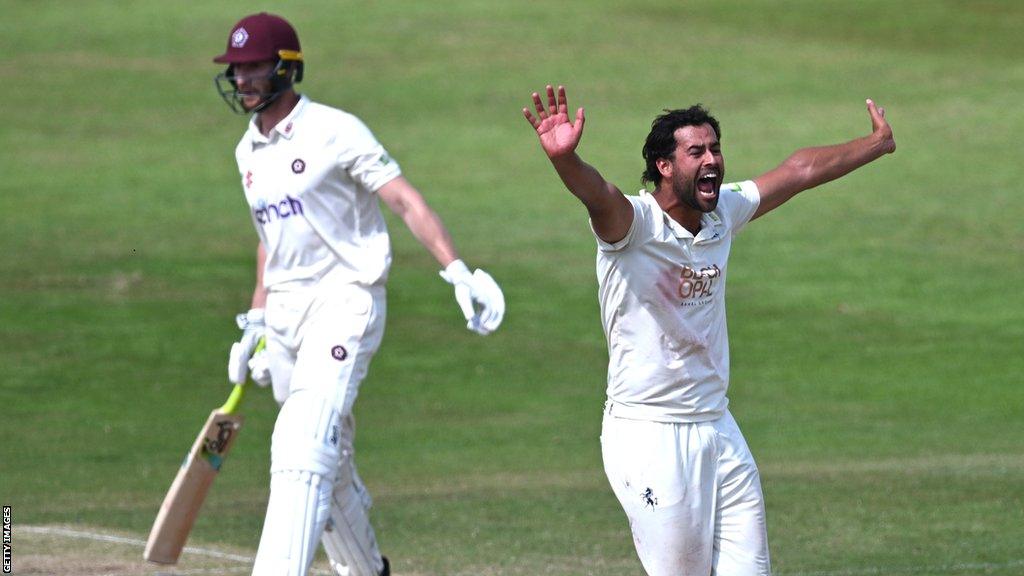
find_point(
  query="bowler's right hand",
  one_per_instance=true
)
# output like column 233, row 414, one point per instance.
column 558, row 136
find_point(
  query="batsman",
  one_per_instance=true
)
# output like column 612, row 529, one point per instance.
column 313, row 178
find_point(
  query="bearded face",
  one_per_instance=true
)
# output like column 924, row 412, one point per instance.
column 696, row 169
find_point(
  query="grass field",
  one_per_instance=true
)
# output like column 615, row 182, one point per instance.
column 876, row 323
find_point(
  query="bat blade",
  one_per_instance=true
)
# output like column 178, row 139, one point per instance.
column 185, row 497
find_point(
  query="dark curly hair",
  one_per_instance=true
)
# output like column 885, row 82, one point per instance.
column 661, row 142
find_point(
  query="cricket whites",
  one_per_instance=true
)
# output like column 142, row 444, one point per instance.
column 181, row 505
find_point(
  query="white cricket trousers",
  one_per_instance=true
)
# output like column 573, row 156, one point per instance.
column 320, row 342
column 692, row 494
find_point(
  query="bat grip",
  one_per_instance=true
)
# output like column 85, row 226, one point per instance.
column 234, row 399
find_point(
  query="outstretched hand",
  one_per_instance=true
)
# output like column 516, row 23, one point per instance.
column 880, row 127
column 558, row 136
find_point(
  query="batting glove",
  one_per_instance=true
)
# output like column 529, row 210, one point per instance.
column 478, row 295
column 253, row 328
column 259, row 364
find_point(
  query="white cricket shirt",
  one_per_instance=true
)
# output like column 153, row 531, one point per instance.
column 311, row 187
column 662, row 294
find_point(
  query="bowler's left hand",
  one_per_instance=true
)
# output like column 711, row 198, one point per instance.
column 880, row 127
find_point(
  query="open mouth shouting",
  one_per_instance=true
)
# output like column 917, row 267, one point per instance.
column 708, row 184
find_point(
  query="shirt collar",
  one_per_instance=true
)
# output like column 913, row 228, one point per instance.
column 285, row 128
column 710, row 222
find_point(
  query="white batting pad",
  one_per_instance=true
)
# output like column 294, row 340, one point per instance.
column 349, row 539
column 305, row 455
column 307, row 435
column 296, row 516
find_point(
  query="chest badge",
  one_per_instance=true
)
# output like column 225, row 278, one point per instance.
column 248, row 179
column 298, row 166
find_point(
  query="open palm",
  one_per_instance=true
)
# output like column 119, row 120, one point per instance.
column 558, row 136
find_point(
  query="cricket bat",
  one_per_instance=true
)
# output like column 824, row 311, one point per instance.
column 181, row 505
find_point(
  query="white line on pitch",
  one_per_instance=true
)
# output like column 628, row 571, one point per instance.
column 69, row 533
column 54, row 531
column 132, row 541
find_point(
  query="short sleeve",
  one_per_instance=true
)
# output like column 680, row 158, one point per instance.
column 363, row 157
column 637, row 229
column 739, row 201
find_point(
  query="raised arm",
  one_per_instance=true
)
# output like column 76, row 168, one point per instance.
column 810, row 167
column 610, row 213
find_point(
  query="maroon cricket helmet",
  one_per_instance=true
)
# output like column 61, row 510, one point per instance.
column 261, row 37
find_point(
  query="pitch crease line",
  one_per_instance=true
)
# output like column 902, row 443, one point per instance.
column 134, row 541
column 249, row 560
column 95, row 536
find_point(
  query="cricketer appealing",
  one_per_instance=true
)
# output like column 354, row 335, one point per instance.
column 672, row 452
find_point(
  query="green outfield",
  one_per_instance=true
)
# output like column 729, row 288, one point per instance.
column 877, row 323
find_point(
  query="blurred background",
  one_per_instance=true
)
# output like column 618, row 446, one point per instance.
column 876, row 322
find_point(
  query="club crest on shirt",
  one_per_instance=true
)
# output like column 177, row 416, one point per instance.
column 339, row 353
column 298, row 165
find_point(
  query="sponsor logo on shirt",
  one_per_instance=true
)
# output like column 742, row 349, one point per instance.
column 697, row 284
column 266, row 213
column 686, row 286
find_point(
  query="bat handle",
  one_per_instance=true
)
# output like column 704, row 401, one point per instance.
column 234, row 399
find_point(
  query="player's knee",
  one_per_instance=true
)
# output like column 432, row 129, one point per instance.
column 297, row 513
column 307, row 436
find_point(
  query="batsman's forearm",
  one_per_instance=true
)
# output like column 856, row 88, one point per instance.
column 427, row 228
column 407, row 203
column 259, row 293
